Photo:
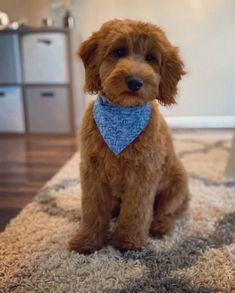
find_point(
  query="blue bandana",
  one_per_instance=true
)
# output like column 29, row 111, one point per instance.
column 119, row 126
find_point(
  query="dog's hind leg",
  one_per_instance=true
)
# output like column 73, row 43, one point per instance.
column 171, row 200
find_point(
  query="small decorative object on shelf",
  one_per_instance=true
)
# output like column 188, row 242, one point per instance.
column 4, row 20
column 68, row 20
column 47, row 22
column 17, row 24
column 14, row 25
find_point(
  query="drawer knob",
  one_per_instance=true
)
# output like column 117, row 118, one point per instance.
column 47, row 95
column 45, row 41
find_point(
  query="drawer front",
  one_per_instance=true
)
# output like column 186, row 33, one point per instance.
column 45, row 58
column 48, row 109
column 9, row 59
column 11, row 110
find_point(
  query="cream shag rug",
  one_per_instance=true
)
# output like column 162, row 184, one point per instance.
column 199, row 256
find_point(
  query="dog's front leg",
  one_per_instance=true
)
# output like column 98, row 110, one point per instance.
column 135, row 218
column 96, row 213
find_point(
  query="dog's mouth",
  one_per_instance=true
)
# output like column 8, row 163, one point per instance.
column 130, row 98
column 131, row 94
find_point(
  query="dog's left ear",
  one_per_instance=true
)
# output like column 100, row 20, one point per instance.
column 88, row 52
column 171, row 72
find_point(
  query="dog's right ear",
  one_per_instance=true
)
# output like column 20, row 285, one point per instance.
column 88, row 53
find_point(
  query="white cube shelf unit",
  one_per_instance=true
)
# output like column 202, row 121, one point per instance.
column 35, row 81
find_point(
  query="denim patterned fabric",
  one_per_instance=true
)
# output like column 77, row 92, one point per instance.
column 119, row 126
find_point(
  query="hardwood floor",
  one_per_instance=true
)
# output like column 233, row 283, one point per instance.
column 26, row 164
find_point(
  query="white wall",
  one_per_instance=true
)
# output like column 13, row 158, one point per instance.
column 204, row 31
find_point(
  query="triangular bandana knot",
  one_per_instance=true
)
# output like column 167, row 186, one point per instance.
column 119, row 126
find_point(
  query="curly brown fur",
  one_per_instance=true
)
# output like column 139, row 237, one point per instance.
column 146, row 180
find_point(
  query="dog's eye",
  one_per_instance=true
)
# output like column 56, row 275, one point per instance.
column 150, row 58
column 120, row 52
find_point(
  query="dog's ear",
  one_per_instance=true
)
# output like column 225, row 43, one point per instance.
column 88, row 52
column 171, row 72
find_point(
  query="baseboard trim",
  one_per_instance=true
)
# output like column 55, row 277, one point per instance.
column 201, row 122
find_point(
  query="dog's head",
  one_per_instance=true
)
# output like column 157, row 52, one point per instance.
column 131, row 62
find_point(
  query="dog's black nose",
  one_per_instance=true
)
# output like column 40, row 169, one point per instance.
column 134, row 83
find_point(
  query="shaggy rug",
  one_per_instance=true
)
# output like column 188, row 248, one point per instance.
column 198, row 256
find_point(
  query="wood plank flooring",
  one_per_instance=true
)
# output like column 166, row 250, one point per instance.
column 26, row 164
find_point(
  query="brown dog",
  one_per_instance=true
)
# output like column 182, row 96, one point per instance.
column 146, row 180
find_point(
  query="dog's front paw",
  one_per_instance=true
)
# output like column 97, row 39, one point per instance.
column 124, row 244
column 162, row 226
column 82, row 245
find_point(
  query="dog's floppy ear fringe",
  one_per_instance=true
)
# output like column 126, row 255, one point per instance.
column 172, row 68
column 88, row 53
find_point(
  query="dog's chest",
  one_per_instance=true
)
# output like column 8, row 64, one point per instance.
column 139, row 160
